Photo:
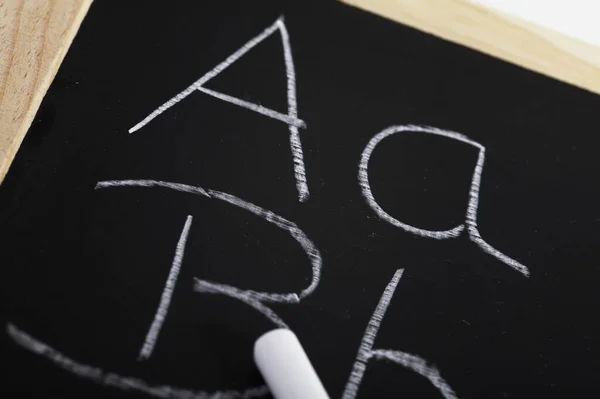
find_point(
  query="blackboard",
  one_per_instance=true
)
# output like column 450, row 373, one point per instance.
column 408, row 207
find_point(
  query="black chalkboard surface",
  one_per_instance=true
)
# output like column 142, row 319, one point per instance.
column 424, row 217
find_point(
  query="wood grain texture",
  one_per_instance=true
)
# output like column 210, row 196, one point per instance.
column 34, row 38
column 497, row 34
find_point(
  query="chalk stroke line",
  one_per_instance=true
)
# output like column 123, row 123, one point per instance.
column 255, row 107
column 419, row 366
column 113, row 380
column 208, row 287
column 366, row 351
column 295, row 143
column 472, row 206
column 211, row 287
column 152, row 183
column 307, row 245
column 165, row 300
column 208, row 76
column 291, row 119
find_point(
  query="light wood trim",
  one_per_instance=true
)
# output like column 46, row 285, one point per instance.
column 497, row 34
column 34, row 38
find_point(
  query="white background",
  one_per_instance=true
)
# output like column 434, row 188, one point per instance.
column 575, row 18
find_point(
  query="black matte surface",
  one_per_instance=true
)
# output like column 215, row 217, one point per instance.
column 82, row 270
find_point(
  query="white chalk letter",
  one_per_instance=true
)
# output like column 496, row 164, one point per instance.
column 291, row 118
column 366, row 351
column 471, row 216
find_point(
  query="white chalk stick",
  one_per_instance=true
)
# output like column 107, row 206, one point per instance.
column 286, row 368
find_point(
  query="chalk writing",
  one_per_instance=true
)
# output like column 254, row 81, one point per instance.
column 471, row 216
column 307, row 245
column 252, row 298
column 407, row 360
column 113, row 380
column 208, row 287
column 165, row 300
column 249, row 297
column 255, row 107
column 291, row 119
column 258, row 300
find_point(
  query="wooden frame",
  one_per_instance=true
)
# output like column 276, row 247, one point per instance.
column 497, row 34
column 34, row 38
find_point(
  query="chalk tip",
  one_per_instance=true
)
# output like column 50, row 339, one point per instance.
column 285, row 366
